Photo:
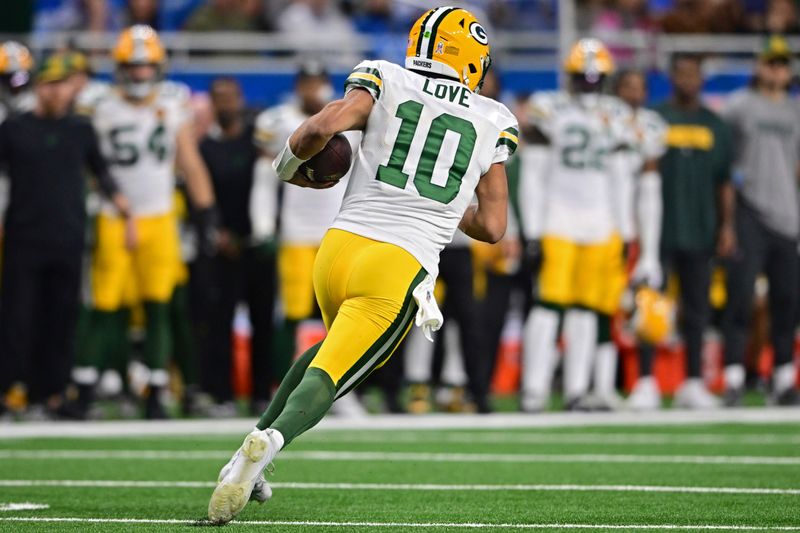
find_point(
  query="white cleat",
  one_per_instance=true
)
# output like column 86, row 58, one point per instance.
column 693, row 394
column 645, row 395
column 261, row 489
column 240, row 477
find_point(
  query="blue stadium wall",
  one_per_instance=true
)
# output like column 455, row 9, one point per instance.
column 266, row 89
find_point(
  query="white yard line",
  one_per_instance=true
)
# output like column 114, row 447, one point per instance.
column 23, row 506
column 497, row 437
column 412, row 422
column 416, row 525
column 421, row 487
column 322, row 455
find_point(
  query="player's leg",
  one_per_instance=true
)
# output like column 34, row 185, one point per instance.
column 694, row 275
column 375, row 283
column 465, row 310
column 227, row 276
column 154, row 260
column 20, row 284
column 60, row 306
column 781, row 270
column 110, row 267
column 295, row 274
column 260, row 285
column 542, row 326
column 610, row 285
column 364, row 290
column 741, row 276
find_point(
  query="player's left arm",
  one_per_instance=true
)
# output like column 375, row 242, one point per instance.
column 348, row 114
column 649, row 209
column 487, row 220
column 99, row 168
column 198, row 184
column 191, row 165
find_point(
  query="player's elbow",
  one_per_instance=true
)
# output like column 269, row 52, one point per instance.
column 495, row 234
column 494, row 228
column 326, row 123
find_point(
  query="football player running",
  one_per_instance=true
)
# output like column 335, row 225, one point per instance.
column 573, row 212
column 145, row 127
column 430, row 142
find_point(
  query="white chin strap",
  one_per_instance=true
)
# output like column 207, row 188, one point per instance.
column 435, row 67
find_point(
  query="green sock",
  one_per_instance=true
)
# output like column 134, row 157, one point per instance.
column 306, row 405
column 118, row 350
column 94, row 337
column 158, row 341
column 288, row 384
column 182, row 342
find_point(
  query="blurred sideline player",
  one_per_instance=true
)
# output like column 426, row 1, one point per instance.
column 635, row 177
column 405, row 199
column 304, row 214
column 575, row 216
column 145, row 128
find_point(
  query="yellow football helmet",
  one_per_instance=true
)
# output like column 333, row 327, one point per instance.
column 16, row 64
column 590, row 58
column 138, row 45
column 450, row 42
column 654, row 316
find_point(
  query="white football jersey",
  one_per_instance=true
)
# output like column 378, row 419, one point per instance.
column 305, row 213
column 139, row 142
column 91, row 95
column 426, row 145
column 646, row 135
column 583, row 131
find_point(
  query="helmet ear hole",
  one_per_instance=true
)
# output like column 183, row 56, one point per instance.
column 473, row 69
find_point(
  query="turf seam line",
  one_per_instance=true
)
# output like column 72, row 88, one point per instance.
column 429, row 525
column 320, row 455
column 428, row 422
column 75, row 483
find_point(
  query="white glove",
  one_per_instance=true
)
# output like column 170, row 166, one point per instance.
column 648, row 272
column 429, row 317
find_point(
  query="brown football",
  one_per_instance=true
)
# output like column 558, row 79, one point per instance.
column 331, row 163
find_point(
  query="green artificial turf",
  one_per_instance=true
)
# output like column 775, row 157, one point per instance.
column 426, row 506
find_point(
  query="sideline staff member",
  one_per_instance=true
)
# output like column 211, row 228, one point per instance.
column 46, row 153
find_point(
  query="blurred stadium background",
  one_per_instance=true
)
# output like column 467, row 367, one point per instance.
column 262, row 44
column 416, row 447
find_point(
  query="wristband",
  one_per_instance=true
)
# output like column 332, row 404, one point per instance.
column 286, row 164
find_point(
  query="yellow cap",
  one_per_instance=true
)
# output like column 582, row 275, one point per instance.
column 55, row 67
column 776, row 47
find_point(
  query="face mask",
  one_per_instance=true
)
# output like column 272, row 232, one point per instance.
column 325, row 93
column 139, row 89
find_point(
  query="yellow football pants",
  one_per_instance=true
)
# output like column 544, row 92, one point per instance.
column 152, row 264
column 589, row 275
column 363, row 288
column 296, row 277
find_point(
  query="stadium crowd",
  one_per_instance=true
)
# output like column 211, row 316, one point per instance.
column 189, row 279
column 381, row 16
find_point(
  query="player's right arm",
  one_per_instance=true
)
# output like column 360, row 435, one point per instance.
column 487, row 220
column 362, row 89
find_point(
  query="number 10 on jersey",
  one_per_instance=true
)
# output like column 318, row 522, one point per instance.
column 409, row 113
